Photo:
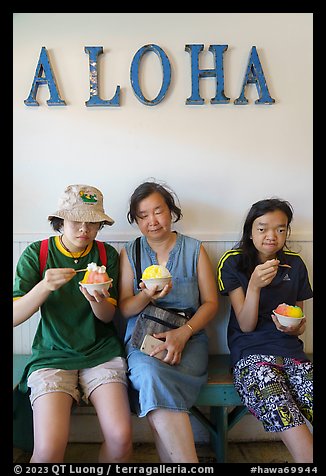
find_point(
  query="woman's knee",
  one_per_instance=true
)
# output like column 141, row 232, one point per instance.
column 120, row 443
column 120, row 434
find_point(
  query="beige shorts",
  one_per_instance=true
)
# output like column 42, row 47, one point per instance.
column 77, row 383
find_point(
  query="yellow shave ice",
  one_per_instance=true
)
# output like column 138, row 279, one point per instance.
column 156, row 271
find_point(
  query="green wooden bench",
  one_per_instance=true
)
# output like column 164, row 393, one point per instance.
column 226, row 409
column 219, row 394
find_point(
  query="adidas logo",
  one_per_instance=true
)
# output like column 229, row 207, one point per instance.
column 286, row 277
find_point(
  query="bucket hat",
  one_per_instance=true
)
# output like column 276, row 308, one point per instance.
column 82, row 203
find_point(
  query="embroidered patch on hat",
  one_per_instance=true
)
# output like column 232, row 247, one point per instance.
column 88, row 197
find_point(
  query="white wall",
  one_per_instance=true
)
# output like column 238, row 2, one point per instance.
column 218, row 158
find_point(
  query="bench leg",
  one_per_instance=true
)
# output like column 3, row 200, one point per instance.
column 219, row 439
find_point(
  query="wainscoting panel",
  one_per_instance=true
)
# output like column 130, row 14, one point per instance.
column 23, row 335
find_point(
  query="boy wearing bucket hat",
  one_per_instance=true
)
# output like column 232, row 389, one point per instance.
column 76, row 351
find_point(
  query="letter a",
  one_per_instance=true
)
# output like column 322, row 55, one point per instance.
column 255, row 75
column 44, row 75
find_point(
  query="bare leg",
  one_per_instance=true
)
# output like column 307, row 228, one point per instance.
column 299, row 442
column 112, row 406
column 51, row 417
column 173, row 436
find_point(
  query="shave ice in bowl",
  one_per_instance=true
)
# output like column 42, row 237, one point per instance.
column 288, row 315
column 96, row 279
column 156, row 275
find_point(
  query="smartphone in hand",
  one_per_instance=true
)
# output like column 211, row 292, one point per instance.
column 148, row 345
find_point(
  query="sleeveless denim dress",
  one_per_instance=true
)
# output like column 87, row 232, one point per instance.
column 155, row 384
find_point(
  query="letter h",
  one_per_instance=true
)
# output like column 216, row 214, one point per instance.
column 197, row 73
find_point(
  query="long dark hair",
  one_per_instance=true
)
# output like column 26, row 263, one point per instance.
column 146, row 189
column 249, row 256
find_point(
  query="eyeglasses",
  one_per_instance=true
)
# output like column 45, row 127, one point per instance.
column 88, row 224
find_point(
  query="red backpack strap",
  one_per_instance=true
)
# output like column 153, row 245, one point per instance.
column 102, row 251
column 43, row 255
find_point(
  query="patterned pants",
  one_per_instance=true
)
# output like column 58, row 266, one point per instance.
column 278, row 391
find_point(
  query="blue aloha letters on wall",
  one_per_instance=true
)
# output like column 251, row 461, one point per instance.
column 197, row 73
column 94, row 98
column 254, row 75
column 134, row 74
column 44, row 75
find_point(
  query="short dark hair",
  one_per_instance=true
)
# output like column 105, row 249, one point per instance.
column 146, row 189
column 56, row 223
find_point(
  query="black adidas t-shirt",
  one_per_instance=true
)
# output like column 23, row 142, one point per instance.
column 289, row 286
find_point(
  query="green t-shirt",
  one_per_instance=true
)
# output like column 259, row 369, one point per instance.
column 69, row 335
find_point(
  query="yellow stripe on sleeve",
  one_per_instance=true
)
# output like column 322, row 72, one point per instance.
column 220, row 266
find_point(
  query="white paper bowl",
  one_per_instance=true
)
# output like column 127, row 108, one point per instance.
column 160, row 282
column 288, row 321
column 90, row 288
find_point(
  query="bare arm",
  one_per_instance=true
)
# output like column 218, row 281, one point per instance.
column 208, row 293
column 246, row 305
column 25, row 306
column 103, row 309
column 129, row 303
column 175, row 340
